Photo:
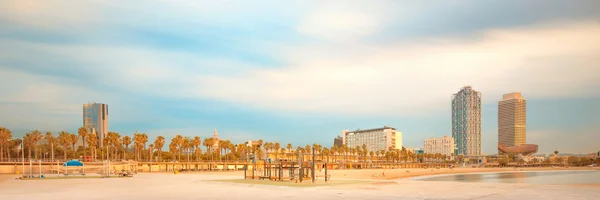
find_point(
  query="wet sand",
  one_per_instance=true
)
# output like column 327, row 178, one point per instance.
column 391, row 174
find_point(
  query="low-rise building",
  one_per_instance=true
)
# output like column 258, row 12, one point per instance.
column 375, row 139
column 444, row 146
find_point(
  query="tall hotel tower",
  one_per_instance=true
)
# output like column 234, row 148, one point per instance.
column 466, row 121
column 512, row 120
column 95, row 119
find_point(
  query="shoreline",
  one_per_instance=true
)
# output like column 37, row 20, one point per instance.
column 405, row 174
column 491, row 172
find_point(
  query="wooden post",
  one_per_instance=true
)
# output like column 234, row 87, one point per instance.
column 312, row 167
column 326, row 172
column 245, row 169
column 300, row 167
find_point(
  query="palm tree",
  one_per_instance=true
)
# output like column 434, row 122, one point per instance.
column 115, row 140
column 137, row 143
column 5, row 136
column 144, row 140
column 196, row 143
column 112, row 141
column 344, row 150
column 325, row 152
column 276, row 146
column 50, row 140
column 64, row 138
column 73, row 140
column 126, row 140
column 173, row 148
column 150, row 149
column 317, row 149
column 221, row 145
column 12, row 145
column 83, row 132
column 242, row 148
column 178, row 141
column 208, row 142
column 187, row 144
column 556, row 152
column 227, row 145
column 35, row 137
column 334, row 151
column 27, row 142
column 158, row 144
column 92, row 141
column 289, row 148
column 106, row 143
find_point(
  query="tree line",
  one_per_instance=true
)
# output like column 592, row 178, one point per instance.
column 62, row 146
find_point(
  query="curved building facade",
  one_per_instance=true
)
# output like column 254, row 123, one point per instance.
column 523, row 149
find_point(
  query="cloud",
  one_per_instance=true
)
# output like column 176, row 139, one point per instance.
column 340, row 24
column 40, row 101
column 551, row 60
column 343, row 58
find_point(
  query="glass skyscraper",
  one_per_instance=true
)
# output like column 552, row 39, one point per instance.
column 512, row 120
column 466, row 122
column 95, row 119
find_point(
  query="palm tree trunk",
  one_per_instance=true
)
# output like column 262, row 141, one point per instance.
column 83, row 140
column 52, row 151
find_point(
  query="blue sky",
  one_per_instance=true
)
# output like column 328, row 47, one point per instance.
column 301, row 71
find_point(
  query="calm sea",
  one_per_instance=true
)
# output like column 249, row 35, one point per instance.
column 541, row 177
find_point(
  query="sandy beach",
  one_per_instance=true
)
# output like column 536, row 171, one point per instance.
column 391, row 174
column 364, row 184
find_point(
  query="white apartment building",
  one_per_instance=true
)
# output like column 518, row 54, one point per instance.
column 443, row 145
column 375, row 139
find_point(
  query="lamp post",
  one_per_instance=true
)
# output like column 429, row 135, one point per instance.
column 23, row 155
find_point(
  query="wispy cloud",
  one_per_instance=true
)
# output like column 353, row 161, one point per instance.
column 420, row 76
column 386, row 60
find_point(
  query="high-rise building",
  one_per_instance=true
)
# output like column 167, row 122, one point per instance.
column 95, row 120
column 444, row 146
column 338, row 141
column 375, row 139
column 466, row 121
column 512, row 120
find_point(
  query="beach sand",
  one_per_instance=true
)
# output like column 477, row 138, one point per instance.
column 205, row 185
column 391, row 174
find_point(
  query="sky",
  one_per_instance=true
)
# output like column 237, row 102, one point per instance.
column 300, row 72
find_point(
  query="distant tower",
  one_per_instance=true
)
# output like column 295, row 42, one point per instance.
column 216, row 134
column 466, row 121
column 216, row 138
column 512, row 120
column 95, row 120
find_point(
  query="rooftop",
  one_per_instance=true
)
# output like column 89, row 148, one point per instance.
column 374, row 129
